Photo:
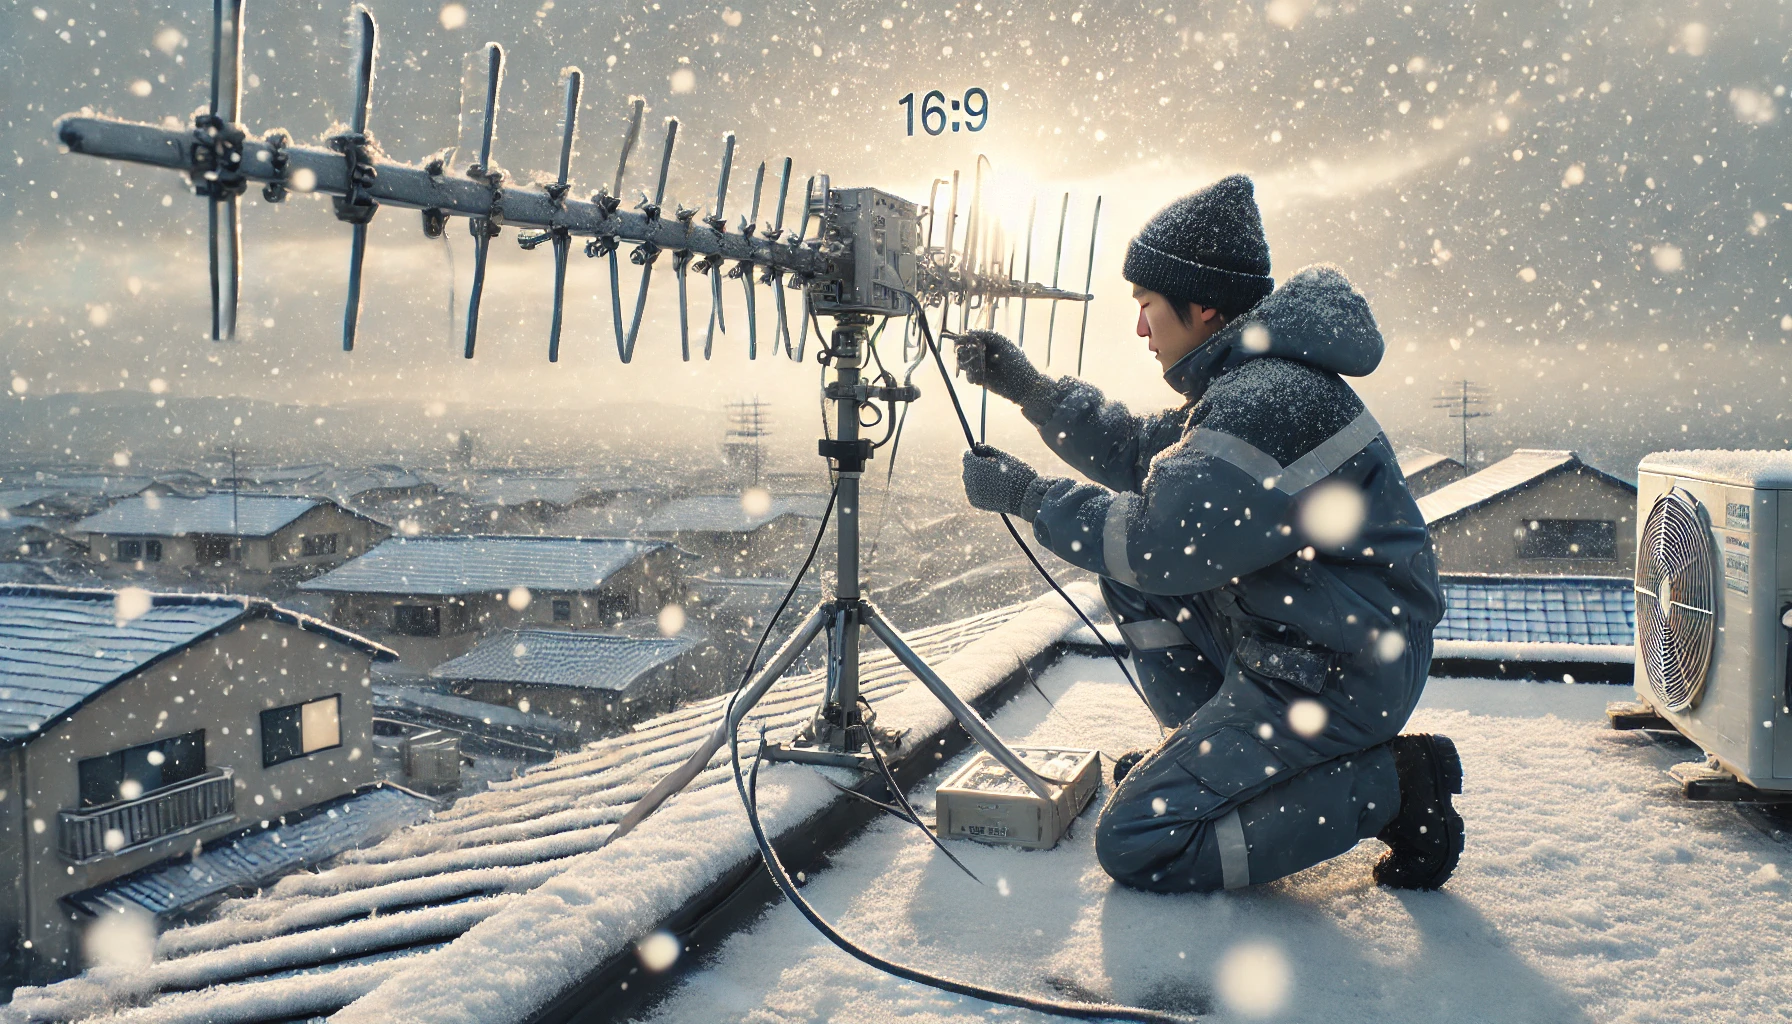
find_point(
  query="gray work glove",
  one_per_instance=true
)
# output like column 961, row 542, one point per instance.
column 996, row 481
column 992, row 361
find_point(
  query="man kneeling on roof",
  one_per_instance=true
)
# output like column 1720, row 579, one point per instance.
column 1263, row 558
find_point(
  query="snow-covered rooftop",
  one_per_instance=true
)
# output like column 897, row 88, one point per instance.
column 727, row 513
column 243, row 515
column 1590, row 890
column 470, row 564
column 1522, row 468
column 1418, row 460
column 565, row 657
column 488, row 910
column 61, row 647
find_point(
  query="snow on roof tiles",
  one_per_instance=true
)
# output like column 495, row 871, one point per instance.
column 1523, row 467
column 60, row 647
column 564, row 657
column 24, row 497
column 726, row 513
column 319, row 941
column 245, row 515
column 1542, row 609
column 1771, row 469
column 470, row 564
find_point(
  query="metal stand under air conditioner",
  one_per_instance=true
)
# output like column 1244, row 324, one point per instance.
column 840, row 734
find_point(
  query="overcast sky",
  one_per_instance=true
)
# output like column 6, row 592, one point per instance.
column 1580, row 204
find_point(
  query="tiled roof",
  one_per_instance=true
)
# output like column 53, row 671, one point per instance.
column 1539, row 609
column 565, row 657
column 253, row 860
column 727, row 513
column 23, row 497
column 470, row 564
column 245, row 515
column 1522, row 467
column 60, row 647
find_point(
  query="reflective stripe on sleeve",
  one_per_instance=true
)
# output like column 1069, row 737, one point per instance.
column 1113, row 539
column 1153, row 635
column 1235, row 864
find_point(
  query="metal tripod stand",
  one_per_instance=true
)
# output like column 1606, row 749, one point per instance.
column 840, row 734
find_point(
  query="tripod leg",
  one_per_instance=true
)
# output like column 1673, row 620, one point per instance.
column 681, row 776
column 967, row 716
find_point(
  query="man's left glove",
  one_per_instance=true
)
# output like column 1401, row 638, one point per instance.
column 996, row 481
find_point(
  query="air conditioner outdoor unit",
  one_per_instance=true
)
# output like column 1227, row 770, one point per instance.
column 1713, row 593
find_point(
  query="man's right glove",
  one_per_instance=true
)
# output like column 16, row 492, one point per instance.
column 996, row 481
column 990, row 360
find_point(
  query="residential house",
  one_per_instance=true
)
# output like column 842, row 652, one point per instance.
column 257, row 533
column 751, row 534
column 1535, row 513
column 595, row 682
column 136, row 727
column 432, row 597
column 1426, row 471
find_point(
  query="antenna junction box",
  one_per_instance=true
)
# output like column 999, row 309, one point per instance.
column 986, row 802
column 881, row 236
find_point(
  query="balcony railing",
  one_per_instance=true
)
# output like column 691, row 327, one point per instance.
column 95, row 833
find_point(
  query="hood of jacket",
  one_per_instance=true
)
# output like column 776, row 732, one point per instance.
column 1315, row 317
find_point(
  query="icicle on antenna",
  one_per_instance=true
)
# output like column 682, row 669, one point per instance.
column 1088, row 282
column 217, row 166
column 712, row 264
column 357, row 207
column 1051, row 324
column 485, row 228
column 557, row 233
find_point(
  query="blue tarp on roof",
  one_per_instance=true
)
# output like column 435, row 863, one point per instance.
column 1539, row 609
column 564, row 657
column 260, row 857
column 60, row 647
column 245, row 515
column 450, row 565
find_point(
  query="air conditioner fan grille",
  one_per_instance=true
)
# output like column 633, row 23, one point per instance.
column 1676, row 595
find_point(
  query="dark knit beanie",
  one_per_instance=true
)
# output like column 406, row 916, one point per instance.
column 1206, row 248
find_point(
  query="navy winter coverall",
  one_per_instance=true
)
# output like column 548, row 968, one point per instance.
column 1226, row 534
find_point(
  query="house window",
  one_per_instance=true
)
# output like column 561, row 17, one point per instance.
column 134, row 771
column 562, row 609
column 614, row 607
column 211, row 548
column 299, row 729
column 317, row 544
column 417, row 620
column 1568, row 538
column 130, row 550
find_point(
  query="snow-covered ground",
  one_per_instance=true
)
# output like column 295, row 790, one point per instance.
column 1590, row 891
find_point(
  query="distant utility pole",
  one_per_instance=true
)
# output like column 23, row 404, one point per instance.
column 744, row 442
column 1460, row 403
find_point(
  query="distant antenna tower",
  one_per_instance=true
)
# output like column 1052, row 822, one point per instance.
column 1461, row 403
column 744, row 443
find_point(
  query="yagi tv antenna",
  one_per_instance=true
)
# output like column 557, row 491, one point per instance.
column 869, row 256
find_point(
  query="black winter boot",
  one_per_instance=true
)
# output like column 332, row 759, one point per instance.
column 1425, row 838
column 1125, row 763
